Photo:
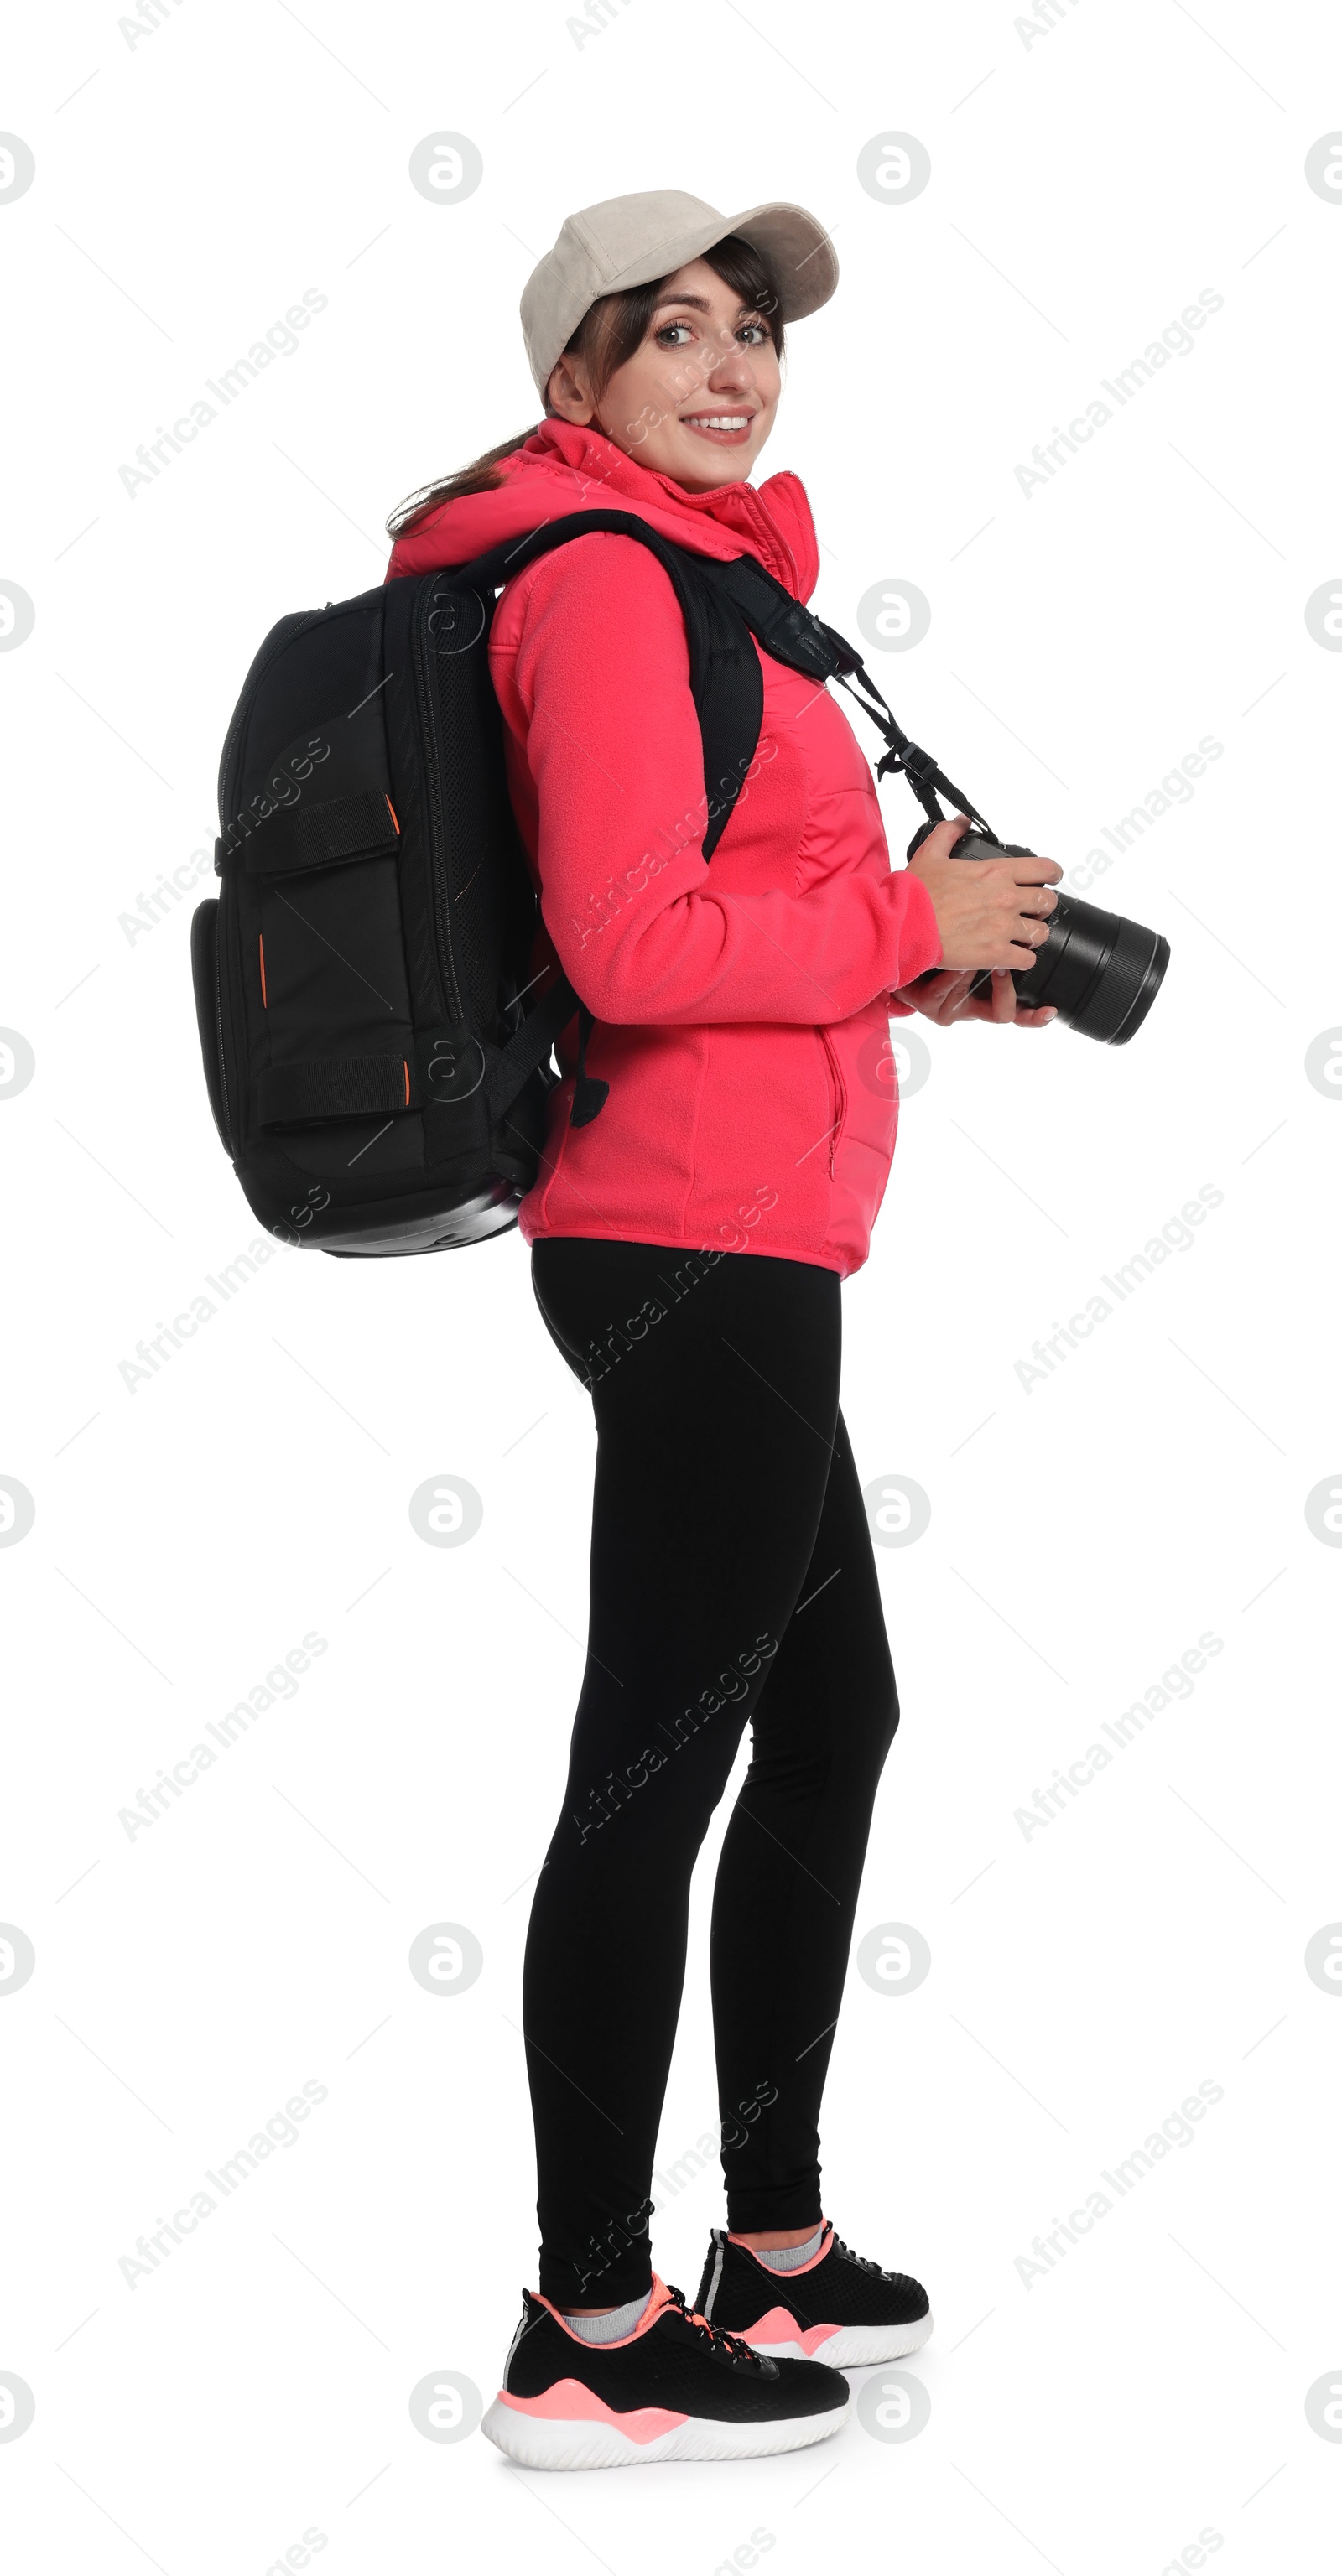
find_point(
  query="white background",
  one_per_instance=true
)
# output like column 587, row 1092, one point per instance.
column 1085, row 187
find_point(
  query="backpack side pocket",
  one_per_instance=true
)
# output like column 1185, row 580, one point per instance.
column 205, row 980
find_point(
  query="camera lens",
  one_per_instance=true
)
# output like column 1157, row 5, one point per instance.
column 1098, row 971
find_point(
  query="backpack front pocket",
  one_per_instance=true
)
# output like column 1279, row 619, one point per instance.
column 330, row 969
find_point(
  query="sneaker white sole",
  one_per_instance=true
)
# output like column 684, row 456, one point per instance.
column 853, row 2347
column 549, row 2442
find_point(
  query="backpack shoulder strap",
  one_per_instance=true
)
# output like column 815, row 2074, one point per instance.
column 727, row 685
column 790, row 633
column 726, row 681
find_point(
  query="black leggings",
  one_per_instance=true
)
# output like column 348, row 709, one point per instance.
column 732, row 1577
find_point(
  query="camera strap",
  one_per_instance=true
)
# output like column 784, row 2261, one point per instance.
column 792, row 634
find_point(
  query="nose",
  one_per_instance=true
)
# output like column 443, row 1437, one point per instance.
column 732, row 371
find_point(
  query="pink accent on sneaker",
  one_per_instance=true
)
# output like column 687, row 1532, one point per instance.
column 569, row 2402
column 660, row 2299
column 795, row 2271
column 778, row 2325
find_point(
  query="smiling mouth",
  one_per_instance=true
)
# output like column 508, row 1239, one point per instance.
column 727, row 428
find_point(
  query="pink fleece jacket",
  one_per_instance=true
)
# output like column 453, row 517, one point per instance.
column 742, row 1005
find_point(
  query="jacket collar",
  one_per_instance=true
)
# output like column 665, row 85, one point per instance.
column 563, row 467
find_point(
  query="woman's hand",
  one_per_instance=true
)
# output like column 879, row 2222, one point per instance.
column 990, row 912
column 947, row 998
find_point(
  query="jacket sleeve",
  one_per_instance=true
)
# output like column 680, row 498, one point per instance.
column 598, row 687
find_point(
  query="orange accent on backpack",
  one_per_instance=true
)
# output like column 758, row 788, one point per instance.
column 392, row 811
column 261, row 945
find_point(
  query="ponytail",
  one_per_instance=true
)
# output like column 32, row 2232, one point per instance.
column 482, row 476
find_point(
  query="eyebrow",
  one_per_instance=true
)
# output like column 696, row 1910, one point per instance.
column 700, row 304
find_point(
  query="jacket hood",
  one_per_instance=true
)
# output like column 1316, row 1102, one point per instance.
column 563, row 468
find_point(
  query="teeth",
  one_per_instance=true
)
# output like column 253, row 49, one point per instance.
column 715, row 420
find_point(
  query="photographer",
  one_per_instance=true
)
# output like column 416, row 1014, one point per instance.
column 688, row 1249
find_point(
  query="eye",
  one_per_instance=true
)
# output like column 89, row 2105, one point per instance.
column 664, row 337
column 754, row 334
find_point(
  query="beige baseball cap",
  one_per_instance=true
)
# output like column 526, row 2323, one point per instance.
column 626, row 241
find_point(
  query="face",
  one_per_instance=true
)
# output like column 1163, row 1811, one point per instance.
column 697, row 399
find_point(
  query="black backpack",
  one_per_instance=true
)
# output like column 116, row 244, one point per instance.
column 376, row 1052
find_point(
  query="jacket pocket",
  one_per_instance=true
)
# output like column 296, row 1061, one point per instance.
column 838, row 1095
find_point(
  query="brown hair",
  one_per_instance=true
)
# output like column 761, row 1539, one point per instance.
column 607, row 336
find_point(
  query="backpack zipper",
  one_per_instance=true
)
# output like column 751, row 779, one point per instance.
column 225, row 1015
column 220, row 1057
column 428, row 707
column 230, row 764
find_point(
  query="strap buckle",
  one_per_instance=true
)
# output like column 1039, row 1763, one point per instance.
column 920, row 766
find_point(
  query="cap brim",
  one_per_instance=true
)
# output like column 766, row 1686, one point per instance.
column 798, row 249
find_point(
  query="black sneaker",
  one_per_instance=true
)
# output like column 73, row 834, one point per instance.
column 675, row 2389
column 837, row 2308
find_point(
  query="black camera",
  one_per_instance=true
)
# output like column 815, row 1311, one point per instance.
column 1099, row 972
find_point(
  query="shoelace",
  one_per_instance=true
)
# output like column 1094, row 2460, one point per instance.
column 863, row 2261
column 735, row 2345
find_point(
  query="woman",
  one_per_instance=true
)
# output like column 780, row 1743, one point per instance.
column 687, row 1248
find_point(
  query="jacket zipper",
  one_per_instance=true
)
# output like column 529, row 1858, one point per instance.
column 774, row 548
column 428, row 707
column 838, row 1096
column 775, row 544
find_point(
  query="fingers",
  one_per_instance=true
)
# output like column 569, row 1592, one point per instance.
column 993, row 914
column 944, row 996
column 951, row 1000
column 942, row 838
column 958, row 1003
column 983, row 1008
